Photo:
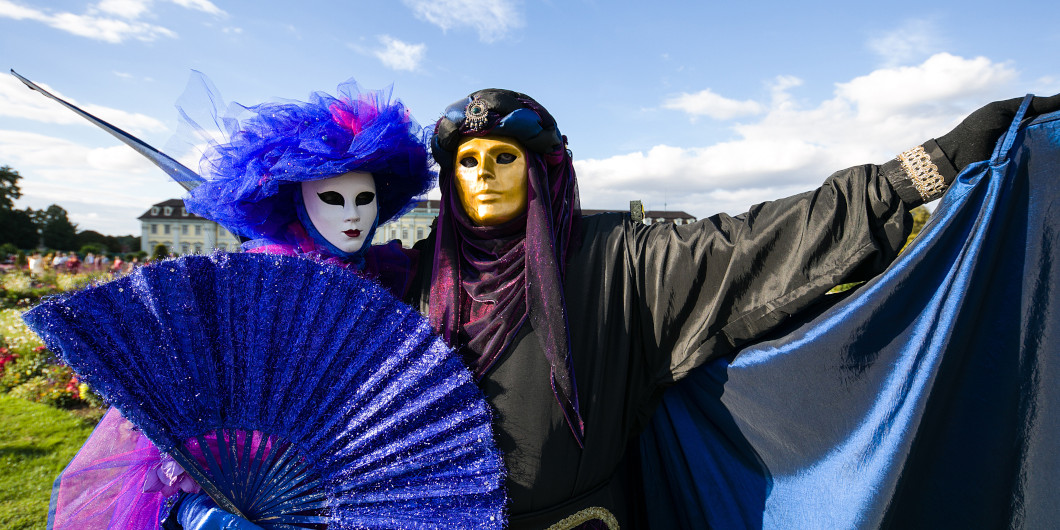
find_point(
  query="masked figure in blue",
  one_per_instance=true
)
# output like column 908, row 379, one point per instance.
column 311, row 179
column 316, row 178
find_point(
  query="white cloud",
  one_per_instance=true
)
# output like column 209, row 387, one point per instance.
column 794, row 147
column 933, row 86
column 206, row 6
column 131, row 9
column 18, row 101
column 112, row 180
column 708, row 103
column 102, row 28
column 398, row 55
column 17, row 12
column 113, row 21
column 913, row 41
column 493, row 19
column 24, row 149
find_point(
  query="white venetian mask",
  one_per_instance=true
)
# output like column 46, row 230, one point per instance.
column 342, row 208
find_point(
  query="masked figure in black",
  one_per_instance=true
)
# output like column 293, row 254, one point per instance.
column 575, row 325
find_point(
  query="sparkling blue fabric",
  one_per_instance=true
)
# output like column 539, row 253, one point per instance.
column 930, row 398
column 279, row 382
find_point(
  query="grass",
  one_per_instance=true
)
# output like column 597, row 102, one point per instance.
column 36, row 440
column 36, row 443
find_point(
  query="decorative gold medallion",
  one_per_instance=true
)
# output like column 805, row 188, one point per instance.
column 476, row 113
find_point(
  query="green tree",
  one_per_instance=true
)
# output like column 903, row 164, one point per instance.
column 113, row 244
column 91, row 237
column 9, row 190
column 92, row 248
column 56, row 230
column 18, row 228
column 129, row 243
column 161, row 253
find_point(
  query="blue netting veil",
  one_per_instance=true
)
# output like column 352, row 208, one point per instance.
column 266, row 150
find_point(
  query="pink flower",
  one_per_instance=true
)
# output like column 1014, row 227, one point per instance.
column 6, row 357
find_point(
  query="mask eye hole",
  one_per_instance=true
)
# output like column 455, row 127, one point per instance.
column 468, row 161
column 331, row 197
column 505, row 158
column 363, row 198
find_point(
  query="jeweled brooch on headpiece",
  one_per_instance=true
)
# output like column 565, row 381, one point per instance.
column 476, row 113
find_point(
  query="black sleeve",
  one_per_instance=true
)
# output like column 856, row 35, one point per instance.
column 707, row 288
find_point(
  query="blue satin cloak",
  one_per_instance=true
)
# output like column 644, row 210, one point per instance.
column 930, row 398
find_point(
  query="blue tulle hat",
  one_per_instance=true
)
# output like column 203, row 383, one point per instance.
column 268, row 148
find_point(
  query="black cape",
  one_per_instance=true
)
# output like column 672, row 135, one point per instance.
column 648, row 304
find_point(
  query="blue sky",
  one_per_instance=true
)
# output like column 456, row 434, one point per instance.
column 694, row 106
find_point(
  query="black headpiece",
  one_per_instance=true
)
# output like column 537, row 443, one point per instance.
column 495, row 111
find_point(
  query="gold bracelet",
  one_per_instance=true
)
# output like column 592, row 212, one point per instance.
column 585, row 516
column 923, row 172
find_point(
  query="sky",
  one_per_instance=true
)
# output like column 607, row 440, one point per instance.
column 704, row 107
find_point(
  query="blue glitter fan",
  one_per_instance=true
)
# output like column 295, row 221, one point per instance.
column 297, row 394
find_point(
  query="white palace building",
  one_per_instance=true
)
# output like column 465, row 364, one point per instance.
column 169, row 223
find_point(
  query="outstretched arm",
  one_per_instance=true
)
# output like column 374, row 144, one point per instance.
column 708, row 288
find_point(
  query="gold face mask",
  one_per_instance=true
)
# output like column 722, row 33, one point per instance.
column 491, row 179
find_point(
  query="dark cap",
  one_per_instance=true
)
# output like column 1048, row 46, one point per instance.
column 499, row 112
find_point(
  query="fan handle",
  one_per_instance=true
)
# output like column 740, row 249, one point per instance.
column 186, row 461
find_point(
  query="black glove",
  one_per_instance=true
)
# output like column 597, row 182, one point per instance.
column 974, row 139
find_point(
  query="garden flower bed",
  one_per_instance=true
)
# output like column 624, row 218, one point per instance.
column 28, row 370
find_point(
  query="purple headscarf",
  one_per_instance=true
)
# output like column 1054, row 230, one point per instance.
column 489, row 280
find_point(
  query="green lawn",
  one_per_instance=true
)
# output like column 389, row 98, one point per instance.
column 36, row 443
